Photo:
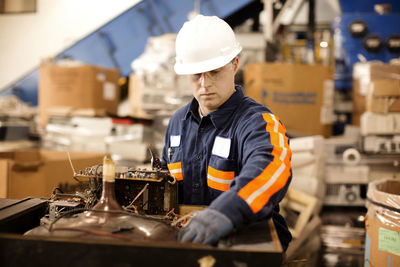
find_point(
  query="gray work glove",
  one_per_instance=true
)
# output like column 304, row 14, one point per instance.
column 206, row 227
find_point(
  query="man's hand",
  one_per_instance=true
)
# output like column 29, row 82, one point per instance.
column 207, row 227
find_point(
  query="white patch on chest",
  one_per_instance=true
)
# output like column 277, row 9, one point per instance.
column 221, row 147
column 175, row 140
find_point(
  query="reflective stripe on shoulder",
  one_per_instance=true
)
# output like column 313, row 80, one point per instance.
column 176, row 170
column 274, row 177
column 219, row 180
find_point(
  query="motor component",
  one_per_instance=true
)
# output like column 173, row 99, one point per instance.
column 393, row 43
column 372, row 43
column 358, row 28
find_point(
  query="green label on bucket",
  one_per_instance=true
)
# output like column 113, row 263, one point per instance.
column 389, row 241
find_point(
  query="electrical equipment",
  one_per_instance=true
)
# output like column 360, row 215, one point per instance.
column 386, row 144
column 58, row 207
column 145, row 191
column 345, row 194
column 107, row 219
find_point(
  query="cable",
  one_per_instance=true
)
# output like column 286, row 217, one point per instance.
column 55, row 189
column 138, row 195
column 73, row 169
column 190, row 215
column 70, row 162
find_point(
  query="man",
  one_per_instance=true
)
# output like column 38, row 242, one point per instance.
column 224, row 149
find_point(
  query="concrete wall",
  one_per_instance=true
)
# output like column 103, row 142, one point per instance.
column 27, row 38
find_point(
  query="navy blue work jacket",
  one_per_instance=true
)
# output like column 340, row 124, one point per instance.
column 236, row 159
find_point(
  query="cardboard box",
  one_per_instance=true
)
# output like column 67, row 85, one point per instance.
column 78, row 87
column 383, row 96
column 363, row 75
column 380, row 124
column 297, row 94
column 383, row 104
column 356, row 118
column 382, row 224
column 36, row 173
column 359, row 101
column 384, row 88
column 135, row 94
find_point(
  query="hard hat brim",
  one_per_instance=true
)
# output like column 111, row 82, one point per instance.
column 207, row 65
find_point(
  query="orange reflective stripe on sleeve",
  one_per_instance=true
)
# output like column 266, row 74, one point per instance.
column 176, row 170
column 274, row 177
column 219, row 180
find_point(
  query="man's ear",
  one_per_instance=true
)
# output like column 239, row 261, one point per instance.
column 235, row 63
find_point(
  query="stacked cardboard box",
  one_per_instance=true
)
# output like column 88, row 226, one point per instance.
column 376, row 88
column 300, row 95
column 67, row 89
column 75, row 104
column 383, row 96
column 376, row 109
column 382, row 114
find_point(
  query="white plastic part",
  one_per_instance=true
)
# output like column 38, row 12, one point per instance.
column 351, row 156
column 108, row 169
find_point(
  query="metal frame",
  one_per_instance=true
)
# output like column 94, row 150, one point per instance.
column 39, row 251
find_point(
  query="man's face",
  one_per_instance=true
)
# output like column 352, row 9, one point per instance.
column 213, row 88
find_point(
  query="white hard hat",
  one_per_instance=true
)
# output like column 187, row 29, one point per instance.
column 205, row 43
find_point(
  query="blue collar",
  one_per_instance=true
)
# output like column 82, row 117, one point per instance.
column 218, row 117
